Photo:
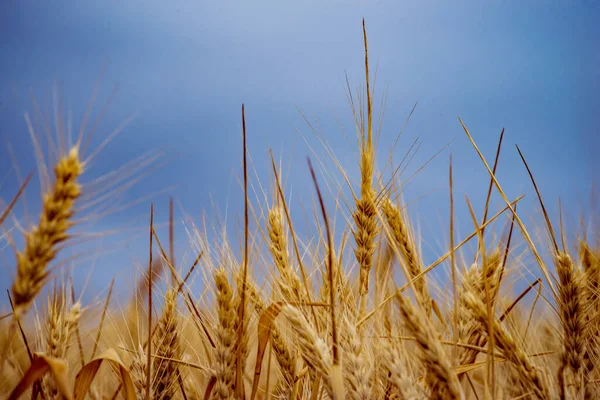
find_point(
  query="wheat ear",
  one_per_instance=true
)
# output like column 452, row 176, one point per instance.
column 475, row 280
column 404, row 240
column 225, row 340
column 285, row 357
column 404, row 386
column 138, row 372
column 365, row 216
column 167, row 349
column 510, row 349
column 289, row 285
column 571, row 310
column 41, row 243
column 440, row 376
column 313, row 349
column 591, row 271
column 60, row 327
column 357, row 373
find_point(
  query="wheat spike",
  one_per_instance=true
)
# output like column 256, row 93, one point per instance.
column 285, row 357
column 357, row 372
column 313, row 349
column 41, row 243
column 60, row 328
column 167, row 349
column 590, row 260
column 225, row 340
column 365, row 216
column 509, row 347
column 571, row 310
column 441, row 377
column 289, row 284
column 138, row 372
column 404, row 385
column 469, row 330
column 404, row 240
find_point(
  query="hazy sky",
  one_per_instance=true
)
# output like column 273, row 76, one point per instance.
column 185, row 67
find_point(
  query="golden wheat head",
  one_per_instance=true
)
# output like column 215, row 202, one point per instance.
column 41, row 243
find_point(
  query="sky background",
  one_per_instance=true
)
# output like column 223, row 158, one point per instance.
column 185, row 67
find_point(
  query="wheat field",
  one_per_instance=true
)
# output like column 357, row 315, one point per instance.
column 355, row 315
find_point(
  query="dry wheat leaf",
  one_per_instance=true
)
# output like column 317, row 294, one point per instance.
column 265, row 324
column 40, row 365
column 86, row 375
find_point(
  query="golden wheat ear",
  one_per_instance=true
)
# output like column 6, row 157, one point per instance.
column 440, row 376
column 168, row 348
column 61, row 325
column 43, row 240
column 530, row 377
column 225, row 339
column 365, row 216
column 571, row 308
column 61, row 162
column 404, row 239
column 62, row 192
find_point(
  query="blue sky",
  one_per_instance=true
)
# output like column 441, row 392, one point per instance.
column 185, row 67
